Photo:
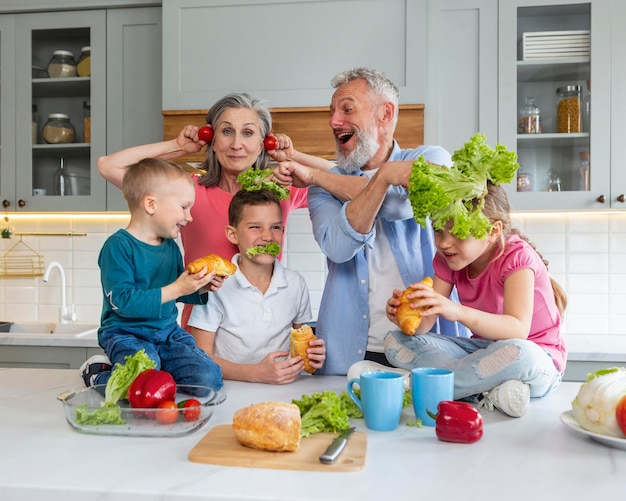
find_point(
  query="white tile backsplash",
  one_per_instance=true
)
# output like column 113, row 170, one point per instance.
column 585, row 254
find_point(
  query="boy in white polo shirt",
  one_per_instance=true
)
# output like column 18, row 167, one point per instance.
column 245, row 326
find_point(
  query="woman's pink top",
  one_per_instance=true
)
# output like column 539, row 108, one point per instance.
column 206, row 234
column 486, row 293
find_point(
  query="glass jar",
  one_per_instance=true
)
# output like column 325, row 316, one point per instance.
column 586, row 110
column 58, row 129
column 569, row 109
column 530, row 118
column 584, row 171
column 62, row 64
column 83, row 68
column 87, row 121
column 35, row 121
column 65, row 182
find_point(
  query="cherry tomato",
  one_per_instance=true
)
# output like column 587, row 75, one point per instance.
column 270, row 143
column 205, row 133
column 167, row 412
column 620, row 414
column 191, row 409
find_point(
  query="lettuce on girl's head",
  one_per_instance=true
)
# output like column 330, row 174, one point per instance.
column 458, row 193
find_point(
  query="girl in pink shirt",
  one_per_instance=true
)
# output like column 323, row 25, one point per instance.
column 507, row 300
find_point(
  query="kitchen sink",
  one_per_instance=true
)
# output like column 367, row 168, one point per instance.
column 72, row 329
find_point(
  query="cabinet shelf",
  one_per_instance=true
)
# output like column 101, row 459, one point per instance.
column 554, row 140
column 68, row 149
column 553, row 69
column 61, row 87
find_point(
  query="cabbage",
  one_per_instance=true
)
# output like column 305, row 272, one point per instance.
column 594, row 406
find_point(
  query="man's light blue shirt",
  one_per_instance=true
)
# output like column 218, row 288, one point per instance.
column 343, row 320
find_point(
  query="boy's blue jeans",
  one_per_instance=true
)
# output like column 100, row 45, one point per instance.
column 478, row 364
column 173, row 349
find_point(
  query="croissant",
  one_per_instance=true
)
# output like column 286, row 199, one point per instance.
column 409, row 318
column 271, row 426
column 299, row 342
column 222, row 266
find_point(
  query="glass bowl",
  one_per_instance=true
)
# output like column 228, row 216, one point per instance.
column 140, row 422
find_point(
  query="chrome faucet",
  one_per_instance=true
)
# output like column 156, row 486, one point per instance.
column 66, row 314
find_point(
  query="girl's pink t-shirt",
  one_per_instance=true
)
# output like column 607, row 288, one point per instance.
column 486, row 293
column 206, row 234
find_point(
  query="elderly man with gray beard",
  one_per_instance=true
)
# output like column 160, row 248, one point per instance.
column 366, row 230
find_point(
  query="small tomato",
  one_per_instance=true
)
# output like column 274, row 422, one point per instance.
column 620, row 414
column 205, row 133
column 167, row 412
column 191, row 409
column 270, row 143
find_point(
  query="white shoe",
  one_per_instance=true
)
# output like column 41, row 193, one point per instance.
column 511, row 397
column 357, row 368
column 93, row 366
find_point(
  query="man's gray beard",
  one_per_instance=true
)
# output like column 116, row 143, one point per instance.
column 366, row 148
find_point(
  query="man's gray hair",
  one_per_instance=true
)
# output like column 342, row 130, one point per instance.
column 377, row 81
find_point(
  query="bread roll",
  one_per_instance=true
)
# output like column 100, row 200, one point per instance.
column 409, row 318
column 271, row 426
column 299, row 342
column 222, row 266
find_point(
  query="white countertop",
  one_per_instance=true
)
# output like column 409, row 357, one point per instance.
column 535, row 456
column 57, row 339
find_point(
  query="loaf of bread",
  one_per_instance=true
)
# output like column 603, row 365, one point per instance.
column 299, row 342
column 409, row 318
column 222, row 266
column 270, row 426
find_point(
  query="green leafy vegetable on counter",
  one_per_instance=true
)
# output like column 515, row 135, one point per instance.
column 256, row 179
column 331, row 411
column 122, row 376
column 457, row 193
column 271, row 248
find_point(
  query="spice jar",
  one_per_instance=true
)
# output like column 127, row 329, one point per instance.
column 83, row 68
column 530, row 118
column 568, row 111
column 86, row 121
column 58, row 129
column 62, row 64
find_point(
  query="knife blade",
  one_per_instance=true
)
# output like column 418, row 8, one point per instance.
column 331, row 454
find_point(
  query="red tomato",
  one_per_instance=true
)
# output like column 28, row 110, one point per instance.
column 167, row 412
column 205, row 133
column 620, row 414
column 270, row 143
column 191, row 409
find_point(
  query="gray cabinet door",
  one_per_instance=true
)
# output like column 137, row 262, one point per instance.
column 462, row 72
column 133, row 84
column 7, row 111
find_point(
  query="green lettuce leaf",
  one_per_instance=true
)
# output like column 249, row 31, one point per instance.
column 255, row 179
column 271, row 248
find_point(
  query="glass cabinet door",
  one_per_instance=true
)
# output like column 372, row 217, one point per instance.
column 57, row 146
column 548, row 114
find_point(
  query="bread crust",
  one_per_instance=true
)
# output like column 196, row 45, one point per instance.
column 409, row 318
column 298, row 344
column 270, row 426
column 222, row 266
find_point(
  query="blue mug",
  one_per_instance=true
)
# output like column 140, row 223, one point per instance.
column 429, row 386
column 381, row 398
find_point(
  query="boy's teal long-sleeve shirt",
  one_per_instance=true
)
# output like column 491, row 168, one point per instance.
column 132, row 273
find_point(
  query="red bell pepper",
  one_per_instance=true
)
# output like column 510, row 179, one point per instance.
column 150, row 388
column 458, row 422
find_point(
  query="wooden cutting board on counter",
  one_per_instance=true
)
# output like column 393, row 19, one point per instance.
column 220, row 446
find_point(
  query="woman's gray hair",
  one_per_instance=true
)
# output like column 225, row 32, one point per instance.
column 235, row 100
column 377, row 81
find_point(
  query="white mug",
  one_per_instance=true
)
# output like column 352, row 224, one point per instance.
column 39, row 192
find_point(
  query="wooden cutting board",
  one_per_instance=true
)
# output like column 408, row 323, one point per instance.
column 220, row 446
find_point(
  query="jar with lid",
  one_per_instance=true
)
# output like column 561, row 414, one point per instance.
column 62, row 64
column 58, row 129
column 584, row 171
column 530, row 118
column 569, row 109
column 86, row 121
column 83, row 67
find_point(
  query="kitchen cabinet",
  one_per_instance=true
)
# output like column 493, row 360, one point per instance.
column 550, row 175
column 46, row 357
column 123, row 91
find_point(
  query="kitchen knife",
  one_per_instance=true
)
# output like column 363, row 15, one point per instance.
column 337, row 446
